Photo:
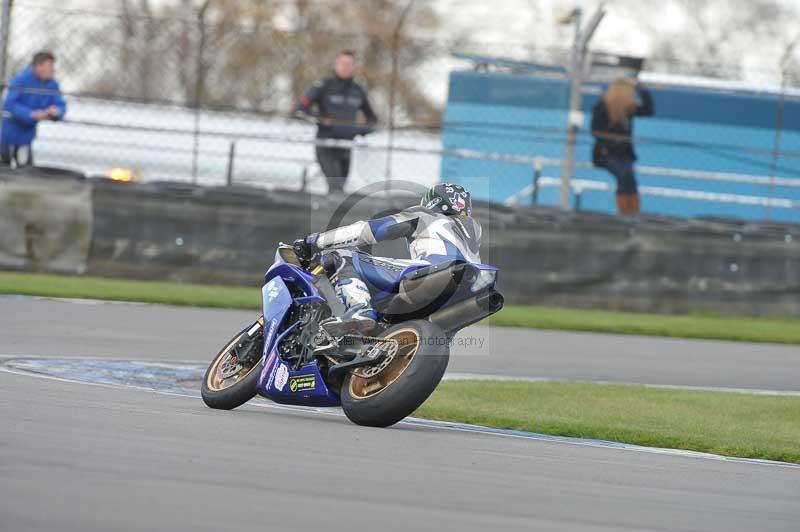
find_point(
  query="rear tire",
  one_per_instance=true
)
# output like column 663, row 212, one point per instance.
column 227, row 394
column 403, row 385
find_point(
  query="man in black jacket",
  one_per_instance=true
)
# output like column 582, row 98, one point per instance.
column 335, row 102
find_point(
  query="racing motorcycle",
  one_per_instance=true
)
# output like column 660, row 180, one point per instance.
column 379, row 379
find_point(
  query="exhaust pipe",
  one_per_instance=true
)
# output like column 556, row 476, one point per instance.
column 467, row 312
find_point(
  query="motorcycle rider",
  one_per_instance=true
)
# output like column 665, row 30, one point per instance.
column 440, row 229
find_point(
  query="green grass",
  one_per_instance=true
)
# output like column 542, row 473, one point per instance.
column 123, row 290
column 773, row 330
column 731, row 424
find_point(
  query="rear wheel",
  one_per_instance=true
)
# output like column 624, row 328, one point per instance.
column 383, row 394
column 229, row 382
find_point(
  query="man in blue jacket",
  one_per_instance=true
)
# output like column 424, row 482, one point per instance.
column 33, row 96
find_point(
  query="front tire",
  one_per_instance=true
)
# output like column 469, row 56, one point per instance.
column 228, row 384
column 405, row 383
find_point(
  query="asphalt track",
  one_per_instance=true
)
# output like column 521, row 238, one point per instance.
column 56, row 328
column 84, row 457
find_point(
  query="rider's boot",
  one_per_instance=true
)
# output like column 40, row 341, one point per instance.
column 359, row 316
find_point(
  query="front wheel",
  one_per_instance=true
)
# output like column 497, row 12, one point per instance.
column 382, row 395
column 231, row 379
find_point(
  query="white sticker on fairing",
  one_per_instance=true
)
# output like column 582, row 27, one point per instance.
column 272, row 290
column 281, row 377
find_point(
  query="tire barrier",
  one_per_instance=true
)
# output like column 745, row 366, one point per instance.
column 648, row 264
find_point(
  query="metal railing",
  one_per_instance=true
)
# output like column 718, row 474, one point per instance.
column 579, row 185
column 538, row 165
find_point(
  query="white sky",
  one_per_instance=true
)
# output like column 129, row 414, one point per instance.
column 518, row 21
column 522, row 22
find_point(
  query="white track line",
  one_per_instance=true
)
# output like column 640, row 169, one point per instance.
column 78, row 300
column 445, row 425
column 507, row 378
column 456, row 376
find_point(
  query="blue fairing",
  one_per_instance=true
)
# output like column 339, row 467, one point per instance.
column 384, row 277
column 278, row 380
column 296, row 276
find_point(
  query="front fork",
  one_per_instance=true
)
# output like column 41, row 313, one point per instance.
column 244, row 347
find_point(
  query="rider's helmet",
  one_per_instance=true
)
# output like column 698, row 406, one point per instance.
column 448, row 199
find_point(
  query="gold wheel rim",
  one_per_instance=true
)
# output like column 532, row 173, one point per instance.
column 216, row 382
column 362, row 387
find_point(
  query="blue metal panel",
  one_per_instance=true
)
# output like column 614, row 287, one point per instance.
column 696, row 129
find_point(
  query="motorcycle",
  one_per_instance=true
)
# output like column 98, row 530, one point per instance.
column 377, row 379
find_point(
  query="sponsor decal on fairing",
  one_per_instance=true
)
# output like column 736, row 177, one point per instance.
column 281, row 377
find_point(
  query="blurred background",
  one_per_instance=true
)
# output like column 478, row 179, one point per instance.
column 203, row 91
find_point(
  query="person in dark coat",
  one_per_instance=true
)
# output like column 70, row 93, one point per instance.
column 612, row 128
column 33, row 96
column 334, row 103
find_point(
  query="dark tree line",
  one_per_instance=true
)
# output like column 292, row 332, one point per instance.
column 260, row 54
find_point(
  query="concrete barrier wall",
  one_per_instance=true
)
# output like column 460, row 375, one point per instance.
column 223, row 236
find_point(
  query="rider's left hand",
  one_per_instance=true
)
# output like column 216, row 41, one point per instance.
column 304, row 249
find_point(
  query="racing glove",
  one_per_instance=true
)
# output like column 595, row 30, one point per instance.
column 306, row 248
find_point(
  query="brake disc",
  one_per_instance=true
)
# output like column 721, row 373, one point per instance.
column 229, row 367
column 378, row 346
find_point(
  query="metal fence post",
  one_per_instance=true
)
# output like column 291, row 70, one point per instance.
column 5, row 31
column 199, row 86
column 231, row 157
column 574, row 105
column 304, row 179
column 393, row 88
column 577, row 73
column 537, row 174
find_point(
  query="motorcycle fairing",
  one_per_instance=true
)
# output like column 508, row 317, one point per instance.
column 279, row 381
column 304, row 386
column 382, row 275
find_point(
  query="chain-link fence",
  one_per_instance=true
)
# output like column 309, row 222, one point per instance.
column 204, row 92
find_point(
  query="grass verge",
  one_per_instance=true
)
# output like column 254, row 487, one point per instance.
column 701, row 326
column 730, row 424
column 772, row 330
column 70, row 286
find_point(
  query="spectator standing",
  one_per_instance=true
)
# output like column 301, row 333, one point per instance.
column 612, row 128
column 33, row 96
column 335, row 102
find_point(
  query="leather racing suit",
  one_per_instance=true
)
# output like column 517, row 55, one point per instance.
column 432, row 238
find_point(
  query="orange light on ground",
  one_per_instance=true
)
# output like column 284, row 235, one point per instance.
column 120, row 174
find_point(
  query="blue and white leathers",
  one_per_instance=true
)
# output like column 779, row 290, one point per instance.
column 431, row 237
